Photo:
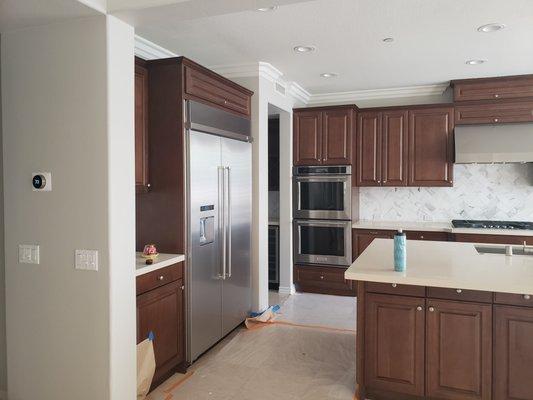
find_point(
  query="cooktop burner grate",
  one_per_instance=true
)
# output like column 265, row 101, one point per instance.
column 481, row 224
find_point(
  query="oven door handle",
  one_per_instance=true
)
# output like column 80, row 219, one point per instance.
column 324, row 223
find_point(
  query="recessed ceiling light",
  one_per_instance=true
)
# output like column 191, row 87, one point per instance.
column 388, row 40
column 476, row 62
column 304, row 49
column 267, row 9
column 329, row 75
column 494, row 27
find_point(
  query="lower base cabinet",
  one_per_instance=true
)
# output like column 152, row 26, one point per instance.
column 323, row 279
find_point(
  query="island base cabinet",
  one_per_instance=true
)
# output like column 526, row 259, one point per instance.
column 394, row 344
column 458, row 350
column 513, row 353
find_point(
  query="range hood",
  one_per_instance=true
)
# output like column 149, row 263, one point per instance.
column 506, row 143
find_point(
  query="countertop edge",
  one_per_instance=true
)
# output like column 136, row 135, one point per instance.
column 158, row 265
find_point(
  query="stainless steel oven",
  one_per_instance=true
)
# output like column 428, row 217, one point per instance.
column 323, row 242
column 322, row 192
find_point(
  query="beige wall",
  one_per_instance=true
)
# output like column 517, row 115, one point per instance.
column 68, row 109
column 3, row 374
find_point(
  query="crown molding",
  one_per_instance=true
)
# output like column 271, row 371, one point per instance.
column 299, row 93
column 150, row 51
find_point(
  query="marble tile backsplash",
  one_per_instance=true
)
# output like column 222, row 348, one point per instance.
column 492, row 192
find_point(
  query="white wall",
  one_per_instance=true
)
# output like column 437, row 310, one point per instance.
column 3, row 368
column 67, row 109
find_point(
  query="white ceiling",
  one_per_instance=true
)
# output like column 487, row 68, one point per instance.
column 433, row 38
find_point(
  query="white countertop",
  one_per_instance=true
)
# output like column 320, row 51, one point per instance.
column 435, row 227
column 163, row 260
column 444, row 264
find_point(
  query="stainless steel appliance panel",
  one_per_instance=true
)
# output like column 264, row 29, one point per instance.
column 236, row 287
column 323, row 242
column 204, row 267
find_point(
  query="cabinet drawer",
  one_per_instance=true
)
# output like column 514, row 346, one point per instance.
column 460, row 294
column 514, row 299
column 494, row 89
column 214, row 90
column 327, row 280
column 494, row 113
column 496, row 239
column 159, row 278
column 394, row 288
column 436, row 236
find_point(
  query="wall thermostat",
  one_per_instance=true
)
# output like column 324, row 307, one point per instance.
column 41, row 181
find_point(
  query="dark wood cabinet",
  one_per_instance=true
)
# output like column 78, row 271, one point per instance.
column 323, row 279
column 497, row 239
column 142, row 182
column 423, row 235
column 431, row 146
column 394, row 148
column 500, row 88
column 323, row 136
column 361, row 239
column 494, row 113
column 161, row 311
column 394, row 344
column 368, row 147
column 458, row 350
column 513, row 353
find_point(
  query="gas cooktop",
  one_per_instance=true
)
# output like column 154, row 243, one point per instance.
column 480, row 224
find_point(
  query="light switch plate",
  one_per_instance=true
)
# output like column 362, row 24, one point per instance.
column 29, row 254
column 86, row 260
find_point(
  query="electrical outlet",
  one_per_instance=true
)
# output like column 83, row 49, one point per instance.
column 29, row 254
column 86, row 260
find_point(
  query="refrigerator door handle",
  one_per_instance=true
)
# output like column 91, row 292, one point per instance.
column 228, row 226
column 222, row 217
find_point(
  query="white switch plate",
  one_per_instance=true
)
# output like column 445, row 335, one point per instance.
column 86, row 260
column 29, row 254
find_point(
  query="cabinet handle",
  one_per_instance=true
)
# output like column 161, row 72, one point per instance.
column 431, row 309
column 182, row 288
column 373, row 232
column 394, row 285
column 419, row 308
column 459, row 290
column 321, row 276
column 421, row 236
column 496, row 95
column 496, row 119
column 527, row 297
column 161, row 278
column 148, row 185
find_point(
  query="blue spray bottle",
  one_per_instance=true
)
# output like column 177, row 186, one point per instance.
column 400, row 251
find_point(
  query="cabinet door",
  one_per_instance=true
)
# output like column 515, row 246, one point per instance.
column 361, row 239
column 513, row 353
column 337, row 137
column 494, row 113
column 161, row 312
column 394, row 344
column 431, row 147
column 394, row 148
column 459, row 350
column 141, row 128
column 368, row 149
column 308, row 138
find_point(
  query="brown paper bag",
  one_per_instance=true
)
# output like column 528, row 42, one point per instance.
column 145, row 367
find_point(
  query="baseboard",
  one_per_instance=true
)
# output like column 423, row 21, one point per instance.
column 3, row 395
column 287, row 289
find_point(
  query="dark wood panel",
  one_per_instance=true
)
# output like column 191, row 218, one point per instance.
column 494, row 113
column 427, row 235
column 337, row 137
column 361, row 239
column 396, row 289
column 308, row 138
column 513, row 353
column 161, row 311
column 459, row 350
column 500, row 88
column 216, row 91
column 525, row 300
column 394, row 148
column 431, row 147
column 323, row 279
column 497, row 239
column 158, row 278
column 460, row 294
column 368, row 149
column 394, row 344
column 141, row 127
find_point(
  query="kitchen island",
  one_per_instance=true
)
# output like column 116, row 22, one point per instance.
column 457, row 324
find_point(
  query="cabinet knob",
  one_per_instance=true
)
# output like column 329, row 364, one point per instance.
column 148, row 185
column 419, row 308
column 225, row 102
column 527, row 297
column 384, row 181
column 182, row 288
column 161, row 278
column 431, row 309
column 496, row 119
column 421, row 236
column 394, row 285
column 459, row 290
column 321, row 276
column 496, row 95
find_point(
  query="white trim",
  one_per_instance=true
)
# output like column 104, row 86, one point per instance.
column 255, row 69
column 149, row 50
column 299, row 93
column 287, row 290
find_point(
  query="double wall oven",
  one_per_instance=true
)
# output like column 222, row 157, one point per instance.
column 322, row 215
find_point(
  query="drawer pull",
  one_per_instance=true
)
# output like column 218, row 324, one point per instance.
column 527, row 297
column 182, row 288
column 421, row 236
column 459, row 290
column 161, row 278
column 496, row 95
column 394, row 285
column 431, row 309
column 496, row 119
column 419, row 308
column 321, row 276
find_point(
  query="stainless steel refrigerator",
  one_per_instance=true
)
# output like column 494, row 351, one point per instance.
column 219, row 186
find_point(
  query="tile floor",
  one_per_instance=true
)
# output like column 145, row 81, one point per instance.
column 279, row 361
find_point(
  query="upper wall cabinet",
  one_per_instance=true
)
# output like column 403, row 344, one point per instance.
column 431, row 146
column 381, row 147
column 142, row 183
column 510, row 87
column 323, row 136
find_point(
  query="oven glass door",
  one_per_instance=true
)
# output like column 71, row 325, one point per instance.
column 323, row 197
column 323, row 242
